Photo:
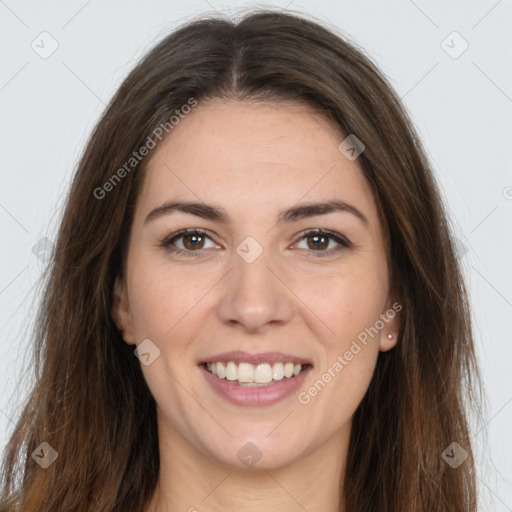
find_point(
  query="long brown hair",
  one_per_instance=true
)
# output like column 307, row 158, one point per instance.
column 90, row 402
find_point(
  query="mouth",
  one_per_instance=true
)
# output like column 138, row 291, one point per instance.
column 255, row 379
column 246, row 374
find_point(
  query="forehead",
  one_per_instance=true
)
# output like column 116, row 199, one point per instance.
column 254, row 157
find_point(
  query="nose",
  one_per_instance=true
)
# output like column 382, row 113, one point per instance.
column 256, row 294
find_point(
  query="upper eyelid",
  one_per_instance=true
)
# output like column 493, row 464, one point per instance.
column 185, row 232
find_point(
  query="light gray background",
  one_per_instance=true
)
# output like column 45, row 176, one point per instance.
column 461, row 106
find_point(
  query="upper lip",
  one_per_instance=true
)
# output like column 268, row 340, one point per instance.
column 239, row 356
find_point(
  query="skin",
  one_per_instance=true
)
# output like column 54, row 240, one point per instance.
column 254, row 160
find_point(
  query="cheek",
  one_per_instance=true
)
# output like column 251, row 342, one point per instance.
column 352, row 303
column 155, row 307
column 351, row 306
column 162, row 298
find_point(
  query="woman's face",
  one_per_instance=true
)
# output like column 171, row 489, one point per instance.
column 258, row 291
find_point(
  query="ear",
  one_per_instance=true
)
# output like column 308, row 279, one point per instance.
column 121, row 311
column 392, row 319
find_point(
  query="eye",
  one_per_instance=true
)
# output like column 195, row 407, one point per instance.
column 193, row 239
column 320, row 240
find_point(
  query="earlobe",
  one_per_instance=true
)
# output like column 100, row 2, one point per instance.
column 389, row 335
column 121, row 312
column 388, row 341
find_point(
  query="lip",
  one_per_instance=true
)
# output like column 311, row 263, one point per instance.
column 255, row 396
column 239, row 356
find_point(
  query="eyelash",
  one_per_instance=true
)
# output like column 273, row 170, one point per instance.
column 344, row 243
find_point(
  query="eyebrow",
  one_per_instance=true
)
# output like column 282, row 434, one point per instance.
column 219, row 214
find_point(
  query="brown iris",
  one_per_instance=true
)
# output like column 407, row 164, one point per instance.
column 318, row 246
column 193, row 245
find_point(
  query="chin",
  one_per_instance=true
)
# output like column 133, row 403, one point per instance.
column 256, row 451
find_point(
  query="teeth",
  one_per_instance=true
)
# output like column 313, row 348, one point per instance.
column 263, row 373
column 278, row 371
column 246, row 373
column 231, row 371
column 288, row 370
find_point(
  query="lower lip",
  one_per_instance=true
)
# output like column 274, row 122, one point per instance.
column 255, row 396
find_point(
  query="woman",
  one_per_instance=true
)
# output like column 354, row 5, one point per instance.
column 254, row 302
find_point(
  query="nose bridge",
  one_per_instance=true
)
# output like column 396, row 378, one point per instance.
column 254, row 296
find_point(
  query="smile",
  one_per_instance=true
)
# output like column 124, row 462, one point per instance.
column 254, row 375
column 255, row 379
